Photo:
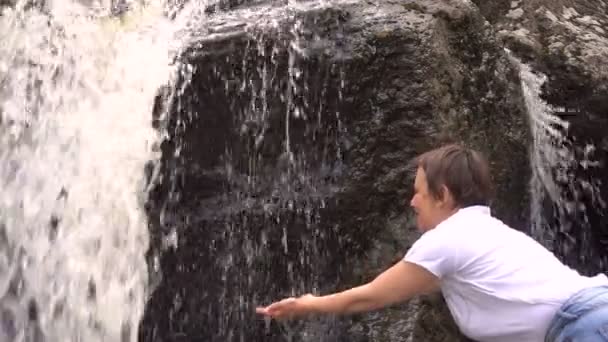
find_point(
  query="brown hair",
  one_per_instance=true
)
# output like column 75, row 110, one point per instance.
column 465, row 173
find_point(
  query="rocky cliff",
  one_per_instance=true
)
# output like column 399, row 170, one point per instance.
column 284, row 167
column 568, row 41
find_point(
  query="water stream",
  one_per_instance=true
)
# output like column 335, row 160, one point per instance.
column 76, row 92
column 78, row 83
column 246, row 216
column 565, row 190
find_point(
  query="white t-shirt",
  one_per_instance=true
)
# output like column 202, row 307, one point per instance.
column 500, row 285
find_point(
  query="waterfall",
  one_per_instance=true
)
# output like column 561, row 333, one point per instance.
column 78, row 83
column 549, row 153
column 563, row 195
column 76, row 92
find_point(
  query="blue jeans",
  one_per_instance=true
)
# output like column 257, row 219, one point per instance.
column 582, row 318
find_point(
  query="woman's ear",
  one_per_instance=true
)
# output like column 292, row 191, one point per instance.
column 447, row 199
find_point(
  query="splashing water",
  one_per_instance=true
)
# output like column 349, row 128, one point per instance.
column 76, row 93
column 555, row 188
column 548, row 153
column 268, row 115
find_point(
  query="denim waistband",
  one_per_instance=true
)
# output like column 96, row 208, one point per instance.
column 576, row 306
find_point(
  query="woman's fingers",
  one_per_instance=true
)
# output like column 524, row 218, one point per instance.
column 261, row 310
column 282, row 308
column 279, row 309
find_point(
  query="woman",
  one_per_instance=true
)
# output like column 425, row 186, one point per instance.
column 500, row 285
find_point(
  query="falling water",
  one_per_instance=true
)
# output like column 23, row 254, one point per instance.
column 247, row 216
column 561, row 199
column 76, row 92
column 77, row 84
column 549, row 152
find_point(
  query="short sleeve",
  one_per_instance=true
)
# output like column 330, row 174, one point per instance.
column 435, row 252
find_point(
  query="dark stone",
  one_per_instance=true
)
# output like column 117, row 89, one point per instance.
column 119, row 7
column 32, row 310
column 7, row 3
column 284, row 167
column 214, row 6
column 53, row 227
column 567, row 40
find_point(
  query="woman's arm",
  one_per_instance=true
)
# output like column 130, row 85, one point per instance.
column 399, row 283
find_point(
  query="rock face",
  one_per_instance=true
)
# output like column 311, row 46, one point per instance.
column 5, row 3
column 568, row 41
column 284, row 167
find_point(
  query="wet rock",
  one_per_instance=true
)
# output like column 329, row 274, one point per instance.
column 7, row 3
column 4, row 4
column 213, row 6
column 567, row 41
column 284, row 167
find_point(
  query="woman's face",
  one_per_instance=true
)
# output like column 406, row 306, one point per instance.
column 430, row 211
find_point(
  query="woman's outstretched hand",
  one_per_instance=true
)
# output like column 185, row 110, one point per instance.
column 397, row 284
column 289, row 307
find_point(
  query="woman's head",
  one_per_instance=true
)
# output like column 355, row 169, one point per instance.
column 447, row 179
